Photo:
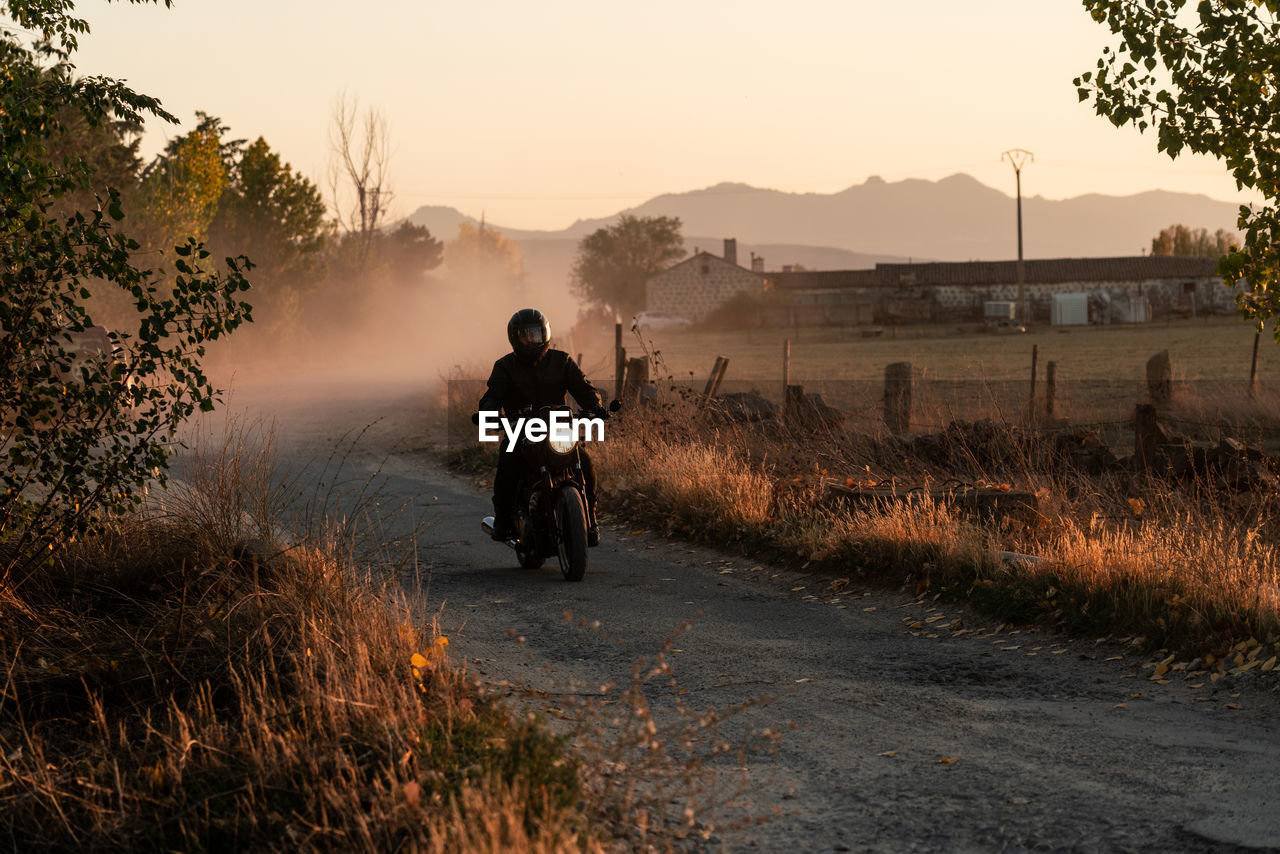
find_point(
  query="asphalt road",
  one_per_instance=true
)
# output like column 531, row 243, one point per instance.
column 917, row 725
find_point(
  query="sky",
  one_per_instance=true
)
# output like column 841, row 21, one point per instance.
column 538, row 114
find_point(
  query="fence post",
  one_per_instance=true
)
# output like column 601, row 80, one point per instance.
column 1050, row 388
column 619, row 358
column 1035, row 357
column 1253, row 368
column 1146, row 436
column 786, row 366
column 792, row 400
column 897, row 397
column 1160, row 378
column 724, row 366
column 637, row 377
column 711, row 380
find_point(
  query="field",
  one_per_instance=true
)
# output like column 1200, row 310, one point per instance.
column 1208, row 349
column 971, row 376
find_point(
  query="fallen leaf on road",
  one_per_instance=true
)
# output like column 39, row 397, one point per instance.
column 1020, row 800
column 805, row 679
column 946, row 760
column 1122, row 705
column 1114, row 658
column 1196, row 685
column 636, row 533
column 1233, row 705
column 1271, row 664
column 888, row 753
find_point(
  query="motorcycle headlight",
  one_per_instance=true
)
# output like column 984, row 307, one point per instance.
column 561, row 446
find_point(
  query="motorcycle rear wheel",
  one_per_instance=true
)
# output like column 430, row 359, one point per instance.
column 571, row 518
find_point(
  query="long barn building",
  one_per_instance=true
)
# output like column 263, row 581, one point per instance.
column 1115, row 290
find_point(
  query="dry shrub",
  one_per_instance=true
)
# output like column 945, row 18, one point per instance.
column 918, row 536
column 166, row 691
column 689, row 485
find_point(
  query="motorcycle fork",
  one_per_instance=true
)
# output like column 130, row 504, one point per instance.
column 582, row 479
column 551, row 496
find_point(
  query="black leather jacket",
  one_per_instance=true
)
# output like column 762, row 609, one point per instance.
column 515, row 384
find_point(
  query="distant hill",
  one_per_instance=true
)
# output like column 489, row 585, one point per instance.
column 953, row 219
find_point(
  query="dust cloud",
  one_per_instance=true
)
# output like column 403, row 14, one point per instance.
column 350, row 341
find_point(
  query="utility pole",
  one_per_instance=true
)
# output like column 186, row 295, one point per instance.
column 1020, row 157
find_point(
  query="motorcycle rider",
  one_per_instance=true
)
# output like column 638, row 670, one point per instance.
column 534, row 375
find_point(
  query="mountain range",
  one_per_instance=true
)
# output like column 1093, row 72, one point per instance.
column 956, row 218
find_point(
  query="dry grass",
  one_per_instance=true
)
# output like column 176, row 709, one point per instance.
column 161, row 694
column 1192, row 568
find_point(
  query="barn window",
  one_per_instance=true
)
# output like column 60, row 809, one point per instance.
column 706, row 269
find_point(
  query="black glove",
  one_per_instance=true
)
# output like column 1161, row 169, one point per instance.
column 601, row 413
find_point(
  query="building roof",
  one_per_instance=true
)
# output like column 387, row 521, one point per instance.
column 704, row 257
column 1040, row 271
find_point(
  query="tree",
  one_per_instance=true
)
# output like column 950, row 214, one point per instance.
column 181, row 188
column 480, row 255
column 410, row 252
column 360, row 154
column 276, row 217
column 1180, row 240
column 1205, row 84
column 84, row 431
column 613, row 263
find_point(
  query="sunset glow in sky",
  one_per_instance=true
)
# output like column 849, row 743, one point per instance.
column 541, row 113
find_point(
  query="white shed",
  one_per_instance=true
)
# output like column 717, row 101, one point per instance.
column 1070, row 310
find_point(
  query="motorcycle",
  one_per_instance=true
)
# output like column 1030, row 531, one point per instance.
column 553, row 513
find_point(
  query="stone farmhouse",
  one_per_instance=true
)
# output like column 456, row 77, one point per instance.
column 1108, row 290
column 700, row 284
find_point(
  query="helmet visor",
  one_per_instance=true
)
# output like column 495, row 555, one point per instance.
column 531, row 337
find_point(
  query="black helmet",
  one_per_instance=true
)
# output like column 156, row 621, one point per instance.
column 529, row 333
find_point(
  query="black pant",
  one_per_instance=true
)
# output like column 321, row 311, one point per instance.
column 506, row 483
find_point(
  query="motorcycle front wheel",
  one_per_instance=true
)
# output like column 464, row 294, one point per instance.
column 571, row 520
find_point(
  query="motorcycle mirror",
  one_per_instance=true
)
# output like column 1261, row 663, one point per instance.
column 615, row 406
